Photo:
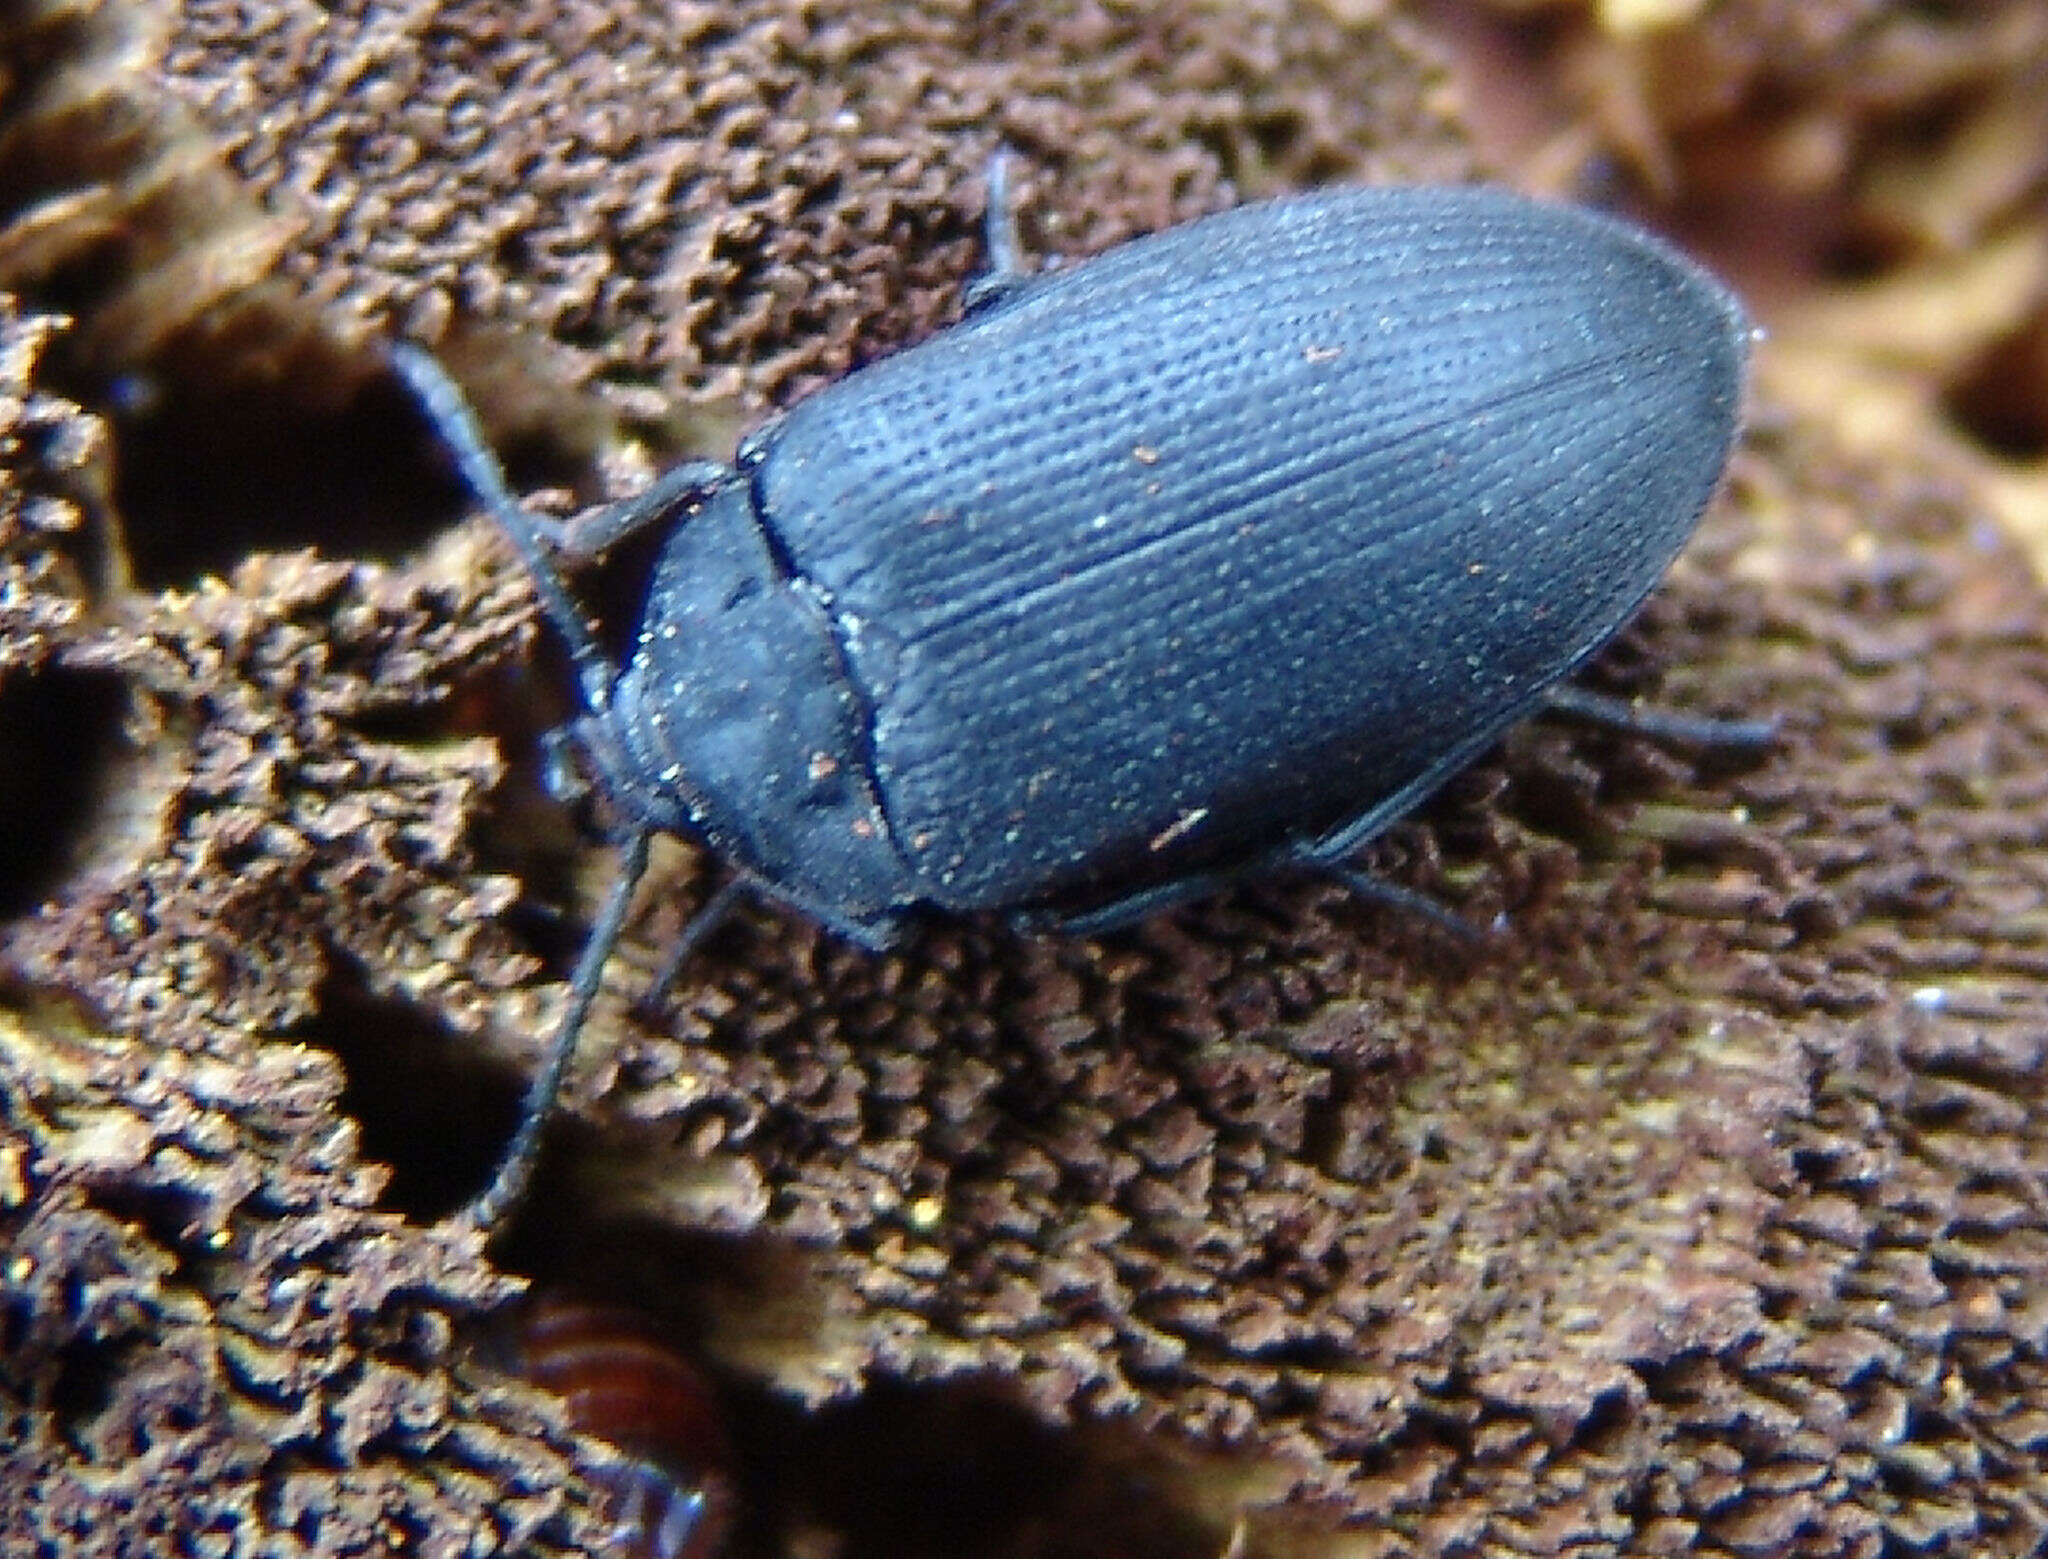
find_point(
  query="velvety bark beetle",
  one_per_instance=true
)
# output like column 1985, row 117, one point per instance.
column 1212, row 555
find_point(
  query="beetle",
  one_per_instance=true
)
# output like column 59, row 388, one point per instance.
column 1212, row 555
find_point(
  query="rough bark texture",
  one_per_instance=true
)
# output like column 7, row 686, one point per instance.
column 1705, row 1210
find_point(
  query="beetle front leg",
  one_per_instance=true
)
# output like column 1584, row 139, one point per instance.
column 509, row 1181
column 680, row 488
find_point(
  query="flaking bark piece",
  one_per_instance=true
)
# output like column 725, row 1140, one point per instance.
column 210, row 1340
column 270, row 830
column 1784, row 138
column 208, row 1332
column 52, row 496
column 114, row 198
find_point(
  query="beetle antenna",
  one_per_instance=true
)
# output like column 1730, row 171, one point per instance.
column 447, row 408
column 515, row 1169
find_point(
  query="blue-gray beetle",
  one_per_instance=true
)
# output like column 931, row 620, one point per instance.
column 1214, row 554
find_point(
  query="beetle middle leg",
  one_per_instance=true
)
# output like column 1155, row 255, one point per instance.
column 1370, row 888
column 1362, row 884
column 1659, row 725
column 715, row 912
column 1131, row 908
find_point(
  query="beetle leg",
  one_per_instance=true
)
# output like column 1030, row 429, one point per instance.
column 678, row 488
column 1131, row 908
column 1006, row 271
column 515, row 1169
column 1408, row 901
column 1168, row 895
column 561, row 777
column 702, row 924
column 1620, row 714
